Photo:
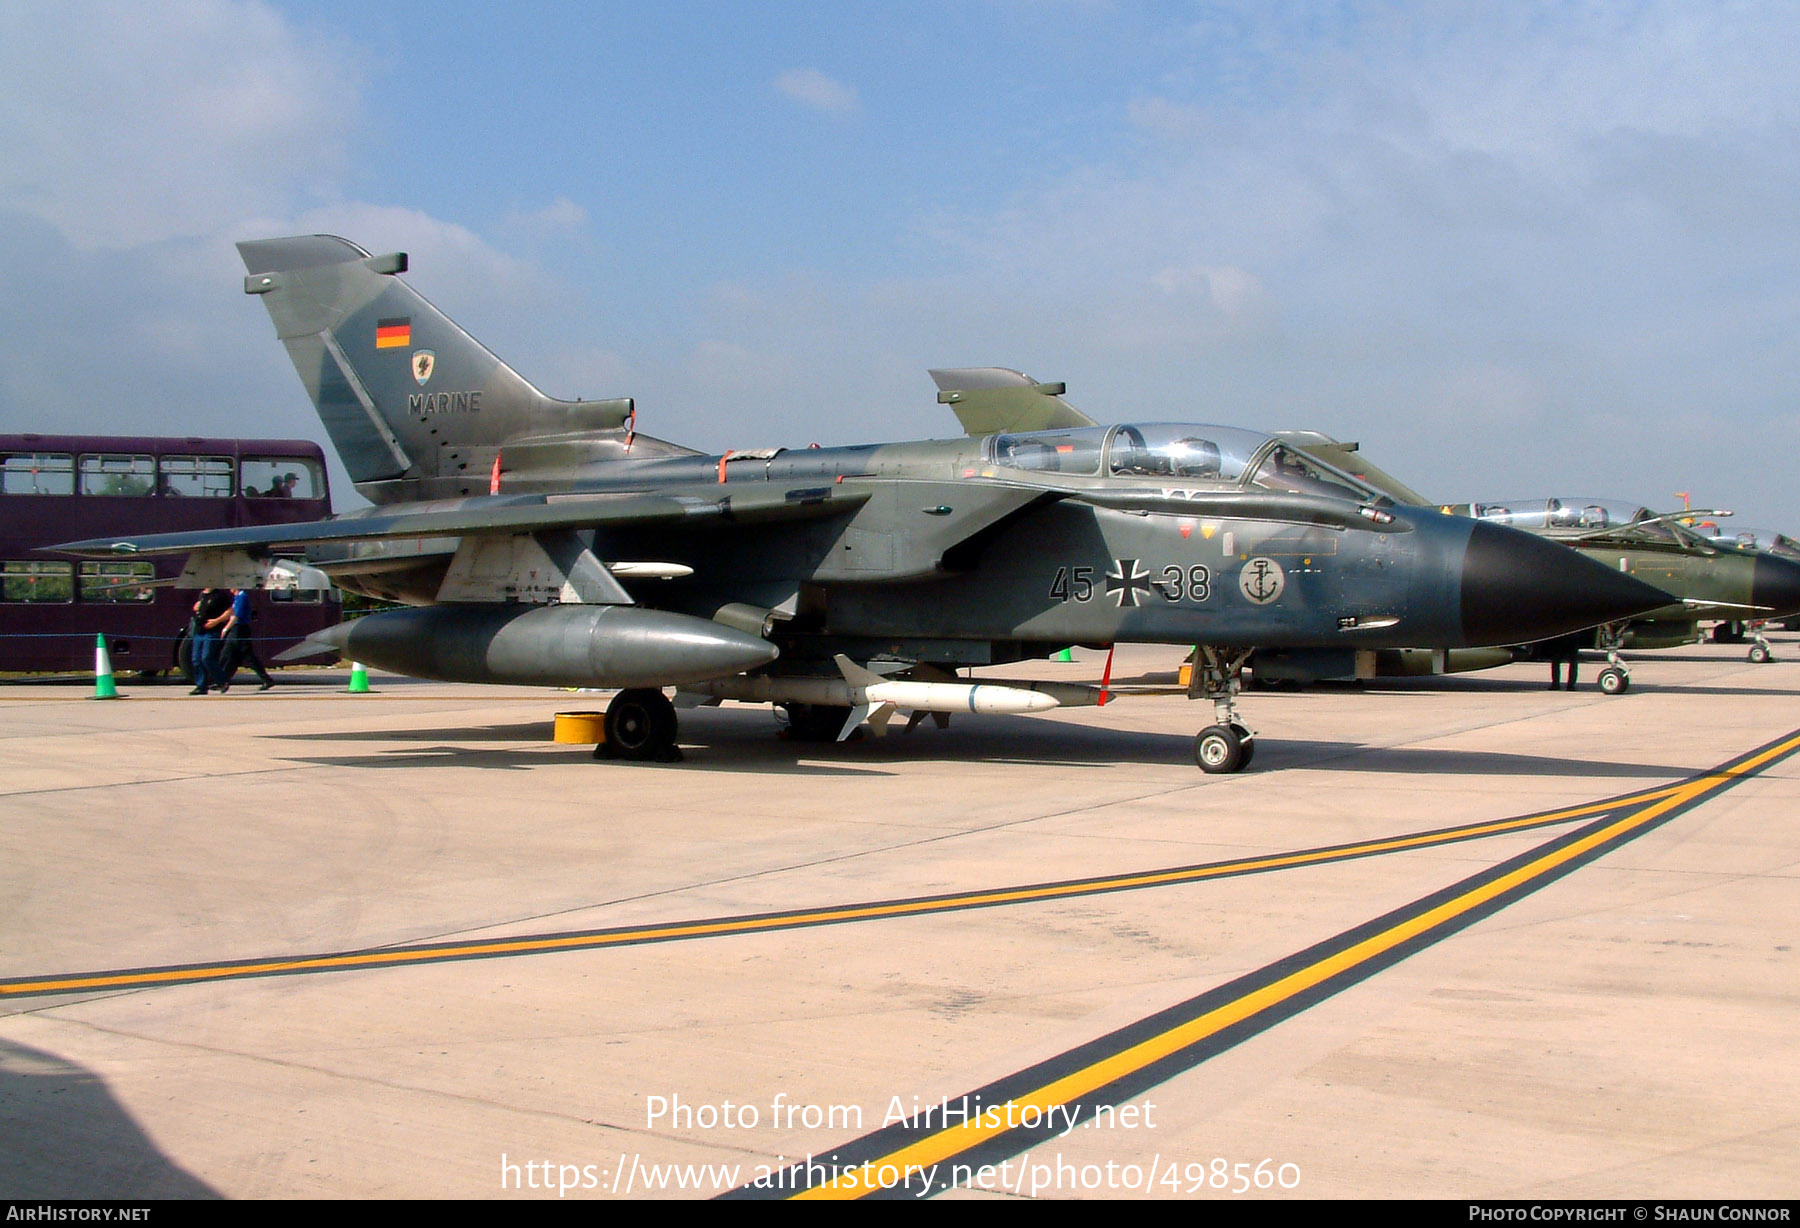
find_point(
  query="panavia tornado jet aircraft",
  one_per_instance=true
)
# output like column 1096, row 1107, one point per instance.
column 1765, row 541
column 1709, row 577
column 547, row 542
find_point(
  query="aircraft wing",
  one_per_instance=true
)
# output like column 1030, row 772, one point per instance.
column 989, row 400
column 505, row 514
column 1695, row 605
column 1625, row 530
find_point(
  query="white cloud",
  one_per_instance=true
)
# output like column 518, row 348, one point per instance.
column 130, row 123
column 810, row 87
column 560, row 216
column 1232, row 291
column 1494, row 233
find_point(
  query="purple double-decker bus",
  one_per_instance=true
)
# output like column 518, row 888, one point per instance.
column 59, row 488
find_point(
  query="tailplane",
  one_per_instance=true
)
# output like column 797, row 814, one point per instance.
column 416, row 407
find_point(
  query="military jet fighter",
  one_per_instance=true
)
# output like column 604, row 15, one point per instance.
column 550, row 543
column 1711, row 577
column 1769, row 541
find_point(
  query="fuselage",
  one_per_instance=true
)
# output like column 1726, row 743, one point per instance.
column 968, row 551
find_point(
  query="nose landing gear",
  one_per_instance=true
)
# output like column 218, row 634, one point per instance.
column 1229, row 744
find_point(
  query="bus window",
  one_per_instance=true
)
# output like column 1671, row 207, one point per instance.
column 202, row 477
column 37, row 582
column 52, row 608
column 37, row 473
column 116, row 475
column 284, row 477
column 117, row 581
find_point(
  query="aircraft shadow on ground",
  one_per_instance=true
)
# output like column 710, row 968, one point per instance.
column 746, row 741
column 1745, row 692
column 1643, row 682
column 529, row 731
column 67, row 1136
column 735, row 741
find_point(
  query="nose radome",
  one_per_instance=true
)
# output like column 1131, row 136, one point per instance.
column 1775, row 584
column 1518, row 588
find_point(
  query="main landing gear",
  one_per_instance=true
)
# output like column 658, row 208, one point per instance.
column 641, row 725
column 1228, row 745
column 1760, row 652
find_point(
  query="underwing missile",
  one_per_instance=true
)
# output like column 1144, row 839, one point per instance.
column 866, row 694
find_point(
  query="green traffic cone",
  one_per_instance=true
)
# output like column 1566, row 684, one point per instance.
column 1067, row 654
column 359, row 679
column 104, row 688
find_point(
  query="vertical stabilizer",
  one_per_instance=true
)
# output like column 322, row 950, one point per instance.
column 414, row 405
column 987, row 400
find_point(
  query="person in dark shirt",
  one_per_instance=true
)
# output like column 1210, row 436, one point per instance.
column 211, row 613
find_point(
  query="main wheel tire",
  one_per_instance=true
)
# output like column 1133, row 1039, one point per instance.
column 184, row 656
column 641, row 724
column 1760, row 655
column 1218, row 750
column 1614, row 681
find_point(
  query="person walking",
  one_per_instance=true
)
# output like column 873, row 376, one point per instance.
column 210, row 615
column 239, row 648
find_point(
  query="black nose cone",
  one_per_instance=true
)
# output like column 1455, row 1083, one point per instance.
column 1518, row 588
column 1775, row 583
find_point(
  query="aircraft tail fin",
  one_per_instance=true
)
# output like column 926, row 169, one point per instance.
column 415, row 406
column 988, row 400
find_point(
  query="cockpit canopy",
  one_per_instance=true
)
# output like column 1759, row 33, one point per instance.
column 1750, row 539
column 1562, row 513
column 1186, row 452
column 1596, row 518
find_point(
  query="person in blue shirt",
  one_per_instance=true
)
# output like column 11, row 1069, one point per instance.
column 239, row 649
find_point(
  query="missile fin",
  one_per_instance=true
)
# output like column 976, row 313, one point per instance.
column 856, row 718
column 879, row 717
column 855, row 674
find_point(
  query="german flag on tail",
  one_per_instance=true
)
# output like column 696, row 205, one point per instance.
column 393, row 334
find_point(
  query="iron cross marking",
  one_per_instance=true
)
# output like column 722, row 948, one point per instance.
column 1125, row 581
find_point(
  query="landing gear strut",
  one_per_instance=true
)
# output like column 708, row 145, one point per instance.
column 1228, row 745
column 1760, row 652
column 1615, row 678
column 640, row 724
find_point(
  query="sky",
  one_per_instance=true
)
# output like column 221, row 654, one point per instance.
column 1514, row 250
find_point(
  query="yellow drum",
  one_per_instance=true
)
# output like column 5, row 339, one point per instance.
column 585, row 727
